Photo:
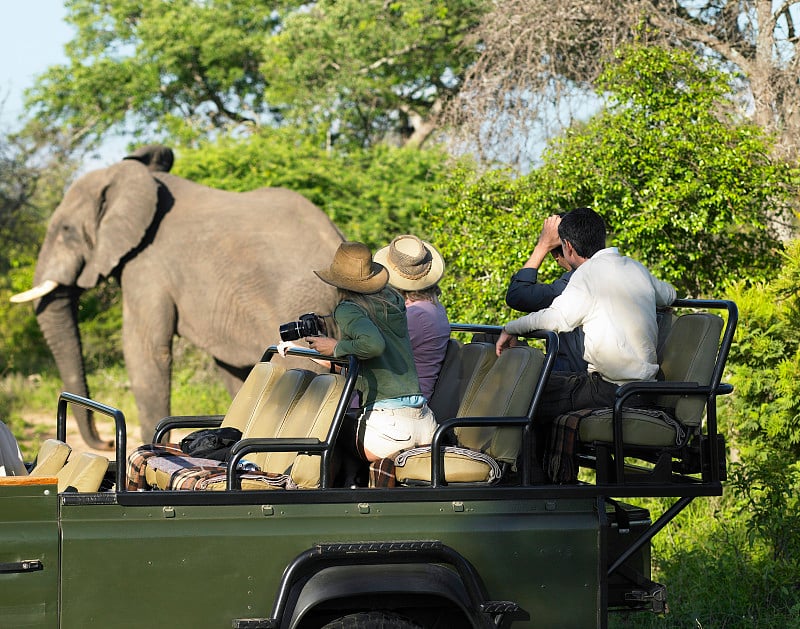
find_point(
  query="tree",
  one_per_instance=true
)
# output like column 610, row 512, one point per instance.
column 148, row 66
column 371, row 70
column 690, row 194
column 194, row 69
column 540, row 61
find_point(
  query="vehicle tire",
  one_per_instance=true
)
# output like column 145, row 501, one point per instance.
column 372, row 620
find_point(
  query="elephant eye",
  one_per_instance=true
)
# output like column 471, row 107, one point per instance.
column 69, row 234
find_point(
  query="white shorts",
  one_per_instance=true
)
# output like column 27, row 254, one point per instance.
column 385, row 431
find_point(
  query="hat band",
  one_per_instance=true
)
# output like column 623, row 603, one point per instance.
column 407, row 266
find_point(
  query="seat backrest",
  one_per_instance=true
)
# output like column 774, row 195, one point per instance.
column 269, row 415
column 689, row 355
column 51, row 458
column 11, row 463
column 507, row 390
column 251, row 395
column 312, row 417
column 465, row 365
column 83, row 473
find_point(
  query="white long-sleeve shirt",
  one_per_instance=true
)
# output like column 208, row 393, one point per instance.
column 614, row 298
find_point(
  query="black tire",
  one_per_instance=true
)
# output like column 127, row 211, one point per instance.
column 371, row 620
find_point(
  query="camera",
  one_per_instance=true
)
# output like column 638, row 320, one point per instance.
column 308, row 324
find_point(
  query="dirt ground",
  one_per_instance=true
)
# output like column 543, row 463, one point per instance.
column 45, row 426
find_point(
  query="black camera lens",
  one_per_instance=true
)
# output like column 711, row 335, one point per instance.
column 290, row 331
column 308, row 325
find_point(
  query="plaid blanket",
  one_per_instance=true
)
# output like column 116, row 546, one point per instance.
column 137, row 462
column 560, row 455
column 194, row 473
column 381, row 473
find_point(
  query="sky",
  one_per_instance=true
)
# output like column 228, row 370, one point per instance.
column 32, row 38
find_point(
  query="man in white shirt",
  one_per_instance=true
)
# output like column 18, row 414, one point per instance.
column 614, row 298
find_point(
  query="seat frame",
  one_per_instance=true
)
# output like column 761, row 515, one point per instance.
column 704, row 451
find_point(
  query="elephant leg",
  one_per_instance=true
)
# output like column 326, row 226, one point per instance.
column 147, row 346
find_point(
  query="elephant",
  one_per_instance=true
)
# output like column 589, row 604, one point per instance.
column 222, row 269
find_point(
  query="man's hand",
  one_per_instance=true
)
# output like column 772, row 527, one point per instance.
column 549, row 235
column 548, row 240
column 505, row 340
column 323, row 344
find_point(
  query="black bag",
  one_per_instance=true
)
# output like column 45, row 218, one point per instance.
column 211, row 443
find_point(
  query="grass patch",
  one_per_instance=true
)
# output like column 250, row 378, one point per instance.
column 715, row 576
column 26, row 400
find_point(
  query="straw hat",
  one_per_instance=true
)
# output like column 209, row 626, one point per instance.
column 412, row 263
column 353, row 269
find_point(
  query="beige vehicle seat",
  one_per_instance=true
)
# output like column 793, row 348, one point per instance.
column 52, row 456
column 464, row 367
column 83, row 473
column 689, row 355
column 483, row 453
column 309, row 416
column 270, row 406
column 245, row 404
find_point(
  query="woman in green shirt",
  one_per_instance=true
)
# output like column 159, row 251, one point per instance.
column 371, row 317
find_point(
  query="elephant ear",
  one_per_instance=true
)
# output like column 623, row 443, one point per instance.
column 156, row 157
column 127, row 208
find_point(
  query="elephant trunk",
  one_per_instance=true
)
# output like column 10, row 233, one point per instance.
column 57, row 314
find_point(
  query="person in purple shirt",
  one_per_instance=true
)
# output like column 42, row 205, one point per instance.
column 415, row 268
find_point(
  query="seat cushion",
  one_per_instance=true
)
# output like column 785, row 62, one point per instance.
column 464, row 367
column 689, row 355
column 84, row 473
column 52, row 456
column 642, row 427
column 460, row 466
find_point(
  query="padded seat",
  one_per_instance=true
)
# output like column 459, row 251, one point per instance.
column 311, row 417
column 245, row 405
column 464, row 367
column 53, row 454
column 271, row 405
column 691, row 360
column 507, row 390
column 83, row 474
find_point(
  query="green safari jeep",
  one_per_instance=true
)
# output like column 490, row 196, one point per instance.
column 464, row 533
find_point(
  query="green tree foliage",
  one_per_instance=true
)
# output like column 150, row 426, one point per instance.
column 194, row 68
column 539, row 60
column 371, row 70
column 145, row 64
column 688, row 191
column 764, row 415
column 693, row 196
column 370, row 194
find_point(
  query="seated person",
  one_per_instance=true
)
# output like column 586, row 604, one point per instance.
column 371, row 318
column 415, row 268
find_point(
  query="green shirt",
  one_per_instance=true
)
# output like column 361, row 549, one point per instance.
column 382, row 346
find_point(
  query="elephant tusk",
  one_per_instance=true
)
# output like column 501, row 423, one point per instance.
column 36, row 292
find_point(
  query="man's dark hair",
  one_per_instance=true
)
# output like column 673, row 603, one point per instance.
column 585, row 230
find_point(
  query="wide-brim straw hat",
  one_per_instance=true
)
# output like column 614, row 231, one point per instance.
column 413, row 264
column 353, row 269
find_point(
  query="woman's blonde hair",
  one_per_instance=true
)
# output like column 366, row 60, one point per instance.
column 430, row 294
column 371, row 303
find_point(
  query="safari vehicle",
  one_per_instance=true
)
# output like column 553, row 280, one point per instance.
column 466, row 538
